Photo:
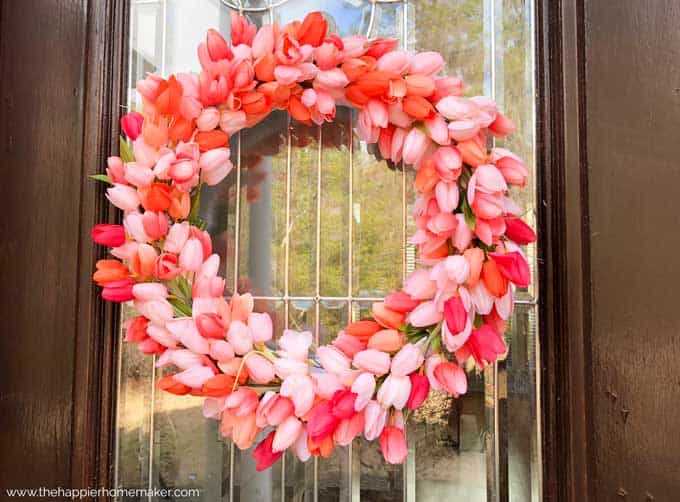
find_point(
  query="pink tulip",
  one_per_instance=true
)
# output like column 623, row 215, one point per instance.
column 134, row 227
column 393, row 445
column 242, row 32
column 348, row 344
column 260, row 370
column 286, row 367
column 331, row 79
column 451, row 378
column 260, row 325
column 184, row 329
column 118, row 291
column 217, row 46
column 243, row 401
column 394, row 392
column 426, row 63
column 109, row 235
column 240, row 337
column 375, row 417
column 232, row 121
column 462, row 235
column 348, row 429
column 513, row 266
column 194, row 377
column 263, row 42
column 286, row 434
column 512, row 168
column 463, row 130
column 485, row 345
column 438, row 130
column 372, row 361
column 448, row 162
column 419, row 285
column 447, row 196
column 447, row 86
column 295, row 345
column 177, row 237
column 208, row 119
column 407, row 360
column 123, row 197
column 501, row 126
column 165, row 338
column 274, row 409
column 115, row 170
column 327, row 56
column 131, row 124
column 457, row 108
column 473, row 151
column 364, row 387
column 430, row 364
column 326, row 384
column 300, row 390
column 377, row 112
column 400, row 302
column 184, row 359
column 159, row 312
column 425, row 314
column 488, row 179
column 420, row 388
column 416, row 144
column 332, row 359
column 300, row 447
column 148, row 291
column 155, row 224
column 191, row 256
column 394, row 62
column 221, row 351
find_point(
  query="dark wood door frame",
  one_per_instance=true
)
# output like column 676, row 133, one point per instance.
column 564, row 316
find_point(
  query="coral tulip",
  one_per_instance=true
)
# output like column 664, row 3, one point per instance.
column 451, row 377
column 386, row 340
column 393, row 445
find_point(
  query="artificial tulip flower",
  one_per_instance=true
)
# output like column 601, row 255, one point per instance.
column 420, row 388
column 108, row 235
column 451, row 378
column 518, row 231
column 393, row 445
column 372, row 361
column 407, row 360
column 513, row 266
column 386, row 340
column 264, row 453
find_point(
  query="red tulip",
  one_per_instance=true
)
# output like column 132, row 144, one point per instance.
column 484, row 344
column 136, row 330
column 313, row 29
column 420, row 388
column 455, row 314
column 518, row 231
column 322, row 422
column 131, row 124
column 513, row 266
column 118, row 291
column 264, row 454
column 108, row 235
column 343, row 404
column 211, row 326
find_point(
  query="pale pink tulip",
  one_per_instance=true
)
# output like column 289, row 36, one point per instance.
column 295, row 345
column 221, row 351
column 184, row 329
column 147, row 291
column 274, row 409
column 138, row 174
column 419, row 286
column 426, row 63
column 447, row 196
column 286, row 367
column 375, row 417
column 300, row 390
column 208, row 119
column 158, row 311
column 327, row 384
column 162, row 336
column 348, row 344
column 215, row 165
column 438, row 129
column 260, row 325
column 232, row 121
column 260, row 370
column 332, row 359
column 240, row 337
column 177, row 237
column 462, row 235
column 191, row 256
column 286, row 434
column 243, row 401
column 416, row 144
column 364, row 387
column 185, row 359
column 425, row 314
column 407, row 360
column 447, row 86
column 448, row 162
column 123, row 197
column 300, row 446
column 327, row 56
column 372, row 361
column 263, row 42
column 134, row 226
column 115, row 170
column 195, row 376
column 430, row 364
column 394, row 391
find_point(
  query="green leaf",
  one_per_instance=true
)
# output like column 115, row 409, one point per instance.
column 181, row 308
column 468, row 214
column 184, row 287
column 126, row 154
column 102, row 177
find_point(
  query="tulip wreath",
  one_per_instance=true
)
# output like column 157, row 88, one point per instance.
column 450, row 312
